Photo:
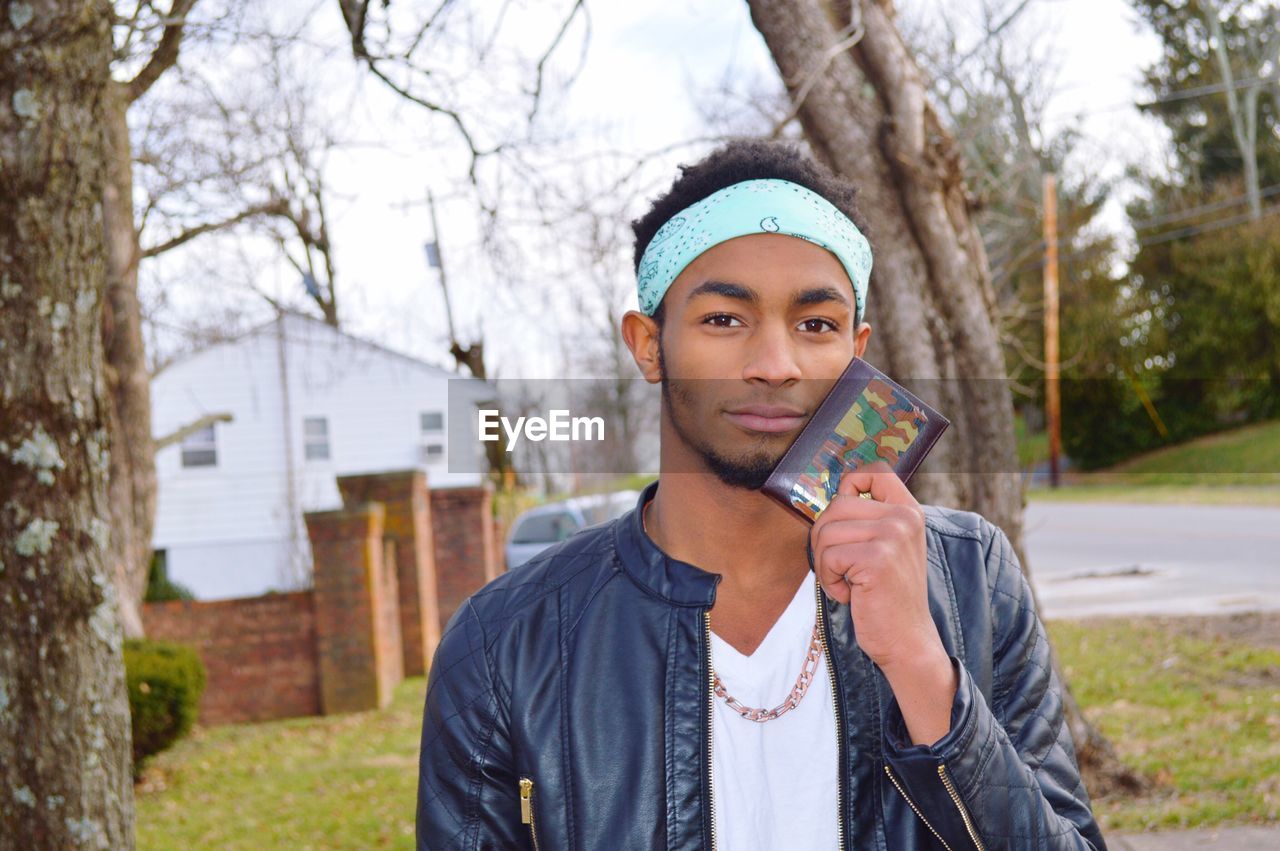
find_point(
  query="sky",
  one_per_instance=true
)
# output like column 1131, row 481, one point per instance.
column 647, row 68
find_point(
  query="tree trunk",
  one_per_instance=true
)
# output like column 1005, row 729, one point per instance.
column 133, row 462
column 65, row 753
column 133, row 467
column 866, row 115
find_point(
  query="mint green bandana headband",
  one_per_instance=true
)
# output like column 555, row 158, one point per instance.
column 752, row 206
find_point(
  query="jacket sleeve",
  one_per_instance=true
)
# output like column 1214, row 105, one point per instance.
column 1005, row 774
column 467, row 789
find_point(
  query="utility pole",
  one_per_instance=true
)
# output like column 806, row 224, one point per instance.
column 1052, row 400
column 435, row 258
column 471, row 356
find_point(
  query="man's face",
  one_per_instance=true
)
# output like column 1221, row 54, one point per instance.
column 756, row 330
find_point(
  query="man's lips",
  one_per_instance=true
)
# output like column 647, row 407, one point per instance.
column 768, row 418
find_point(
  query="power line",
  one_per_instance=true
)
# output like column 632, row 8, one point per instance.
column 1195, row 230
column 1153, row 239
column 1175, row 95
column 1192, row 212
column 1208, row 89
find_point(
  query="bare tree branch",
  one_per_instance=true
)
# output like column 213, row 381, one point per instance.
column 425, row 28
column 191, row 428
column 476, row 153
column 993, row 32
column 166, row 52
column 273, row 208
column 354, row 14
column 578, row 6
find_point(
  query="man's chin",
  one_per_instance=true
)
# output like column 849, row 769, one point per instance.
column 747, row 474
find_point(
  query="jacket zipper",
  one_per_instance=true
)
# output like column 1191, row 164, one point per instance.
column 835, row 704
column 913, row 806
column 526, row 808
column 711, row 709
column 964, row 814
column 955, row 797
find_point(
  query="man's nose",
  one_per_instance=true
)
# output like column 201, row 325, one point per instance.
column 772, row 356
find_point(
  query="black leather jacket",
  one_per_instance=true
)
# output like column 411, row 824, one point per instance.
column 568, row 707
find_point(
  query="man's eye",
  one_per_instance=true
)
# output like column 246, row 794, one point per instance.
column 719, row 320
column 809, row 323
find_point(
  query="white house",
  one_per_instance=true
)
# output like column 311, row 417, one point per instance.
column 307, row 403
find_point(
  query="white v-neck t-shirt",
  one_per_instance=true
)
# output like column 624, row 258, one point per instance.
column 775, row 783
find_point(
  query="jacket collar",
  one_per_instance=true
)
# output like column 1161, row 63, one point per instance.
column 673, row 580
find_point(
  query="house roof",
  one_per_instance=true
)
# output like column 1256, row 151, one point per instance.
column 290, row 316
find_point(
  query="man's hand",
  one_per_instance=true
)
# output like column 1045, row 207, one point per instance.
column 870, row 553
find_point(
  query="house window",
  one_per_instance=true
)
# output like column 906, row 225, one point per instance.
column 431, row 424
column 315, row 438
column 200, row 448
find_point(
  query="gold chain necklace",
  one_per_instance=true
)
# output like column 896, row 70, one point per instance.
column 812, row 655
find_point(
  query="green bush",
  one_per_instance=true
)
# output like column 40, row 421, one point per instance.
column 165, row 684
column 160, row 588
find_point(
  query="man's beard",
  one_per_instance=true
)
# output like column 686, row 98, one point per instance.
column 748, row 470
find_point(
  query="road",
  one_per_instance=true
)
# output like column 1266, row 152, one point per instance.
column 1121, row 559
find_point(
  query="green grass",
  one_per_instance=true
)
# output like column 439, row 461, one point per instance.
column 1200, row 717
column 1242, row 456
column 338, row 782
column 1241, row 466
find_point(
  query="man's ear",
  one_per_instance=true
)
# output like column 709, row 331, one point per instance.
column 642, row 336
column 860, row 338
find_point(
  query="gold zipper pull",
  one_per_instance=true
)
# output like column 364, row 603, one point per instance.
column 526, row 800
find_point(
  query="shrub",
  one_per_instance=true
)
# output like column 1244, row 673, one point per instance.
column 160, row 588
column 165, row 684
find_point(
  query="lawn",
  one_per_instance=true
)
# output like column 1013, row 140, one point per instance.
column 1241, row 466
column 341, row 782
column 1198, row 713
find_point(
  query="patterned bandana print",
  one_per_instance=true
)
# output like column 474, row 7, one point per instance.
column 752, row 206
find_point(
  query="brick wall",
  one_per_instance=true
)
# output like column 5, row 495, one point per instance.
column 465, row 544
column 259, row 653
column 408, row 523
column 390, row 569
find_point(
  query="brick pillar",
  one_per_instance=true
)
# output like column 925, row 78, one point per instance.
column 350, row 588
column 466, row 549
column 408, row 523
column 392, row 662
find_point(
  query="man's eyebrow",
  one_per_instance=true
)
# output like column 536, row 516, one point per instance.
column 726, row 289
column 818, row 295
column 804, row 298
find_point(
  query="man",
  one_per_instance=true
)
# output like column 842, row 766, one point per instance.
column 709, row 670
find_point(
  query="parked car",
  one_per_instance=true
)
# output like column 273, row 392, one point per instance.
column 539, row 528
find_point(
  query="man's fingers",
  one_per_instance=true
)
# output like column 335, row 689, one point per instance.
column 843, row 530
column 843, row 505
column 840, row 565
column 840, row 593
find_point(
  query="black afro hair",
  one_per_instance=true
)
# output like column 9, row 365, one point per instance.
column 734, row 162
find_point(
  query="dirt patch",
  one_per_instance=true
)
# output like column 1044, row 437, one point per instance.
column 1257, row 629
